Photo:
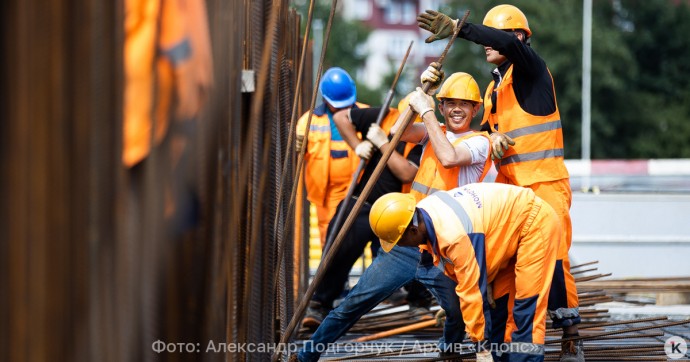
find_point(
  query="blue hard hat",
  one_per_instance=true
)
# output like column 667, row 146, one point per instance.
column 338, row 88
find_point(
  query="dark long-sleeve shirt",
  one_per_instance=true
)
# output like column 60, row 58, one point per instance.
column 532, row 82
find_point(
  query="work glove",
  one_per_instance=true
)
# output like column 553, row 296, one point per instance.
column 364, row 150
column 440, row 24
column 299, row 142
column 377, row 136
column 421, row 102
column 499, row 144
column 440, row 317
column 434, row 76
column 484, row 356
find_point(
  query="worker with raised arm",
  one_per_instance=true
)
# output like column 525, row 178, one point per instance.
column 521, row 113
column 329, row 162
column 476, row 234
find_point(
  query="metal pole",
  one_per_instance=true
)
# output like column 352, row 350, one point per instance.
column 586, row 86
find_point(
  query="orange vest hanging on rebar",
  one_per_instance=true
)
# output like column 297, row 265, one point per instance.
column 167, row 67
column 537, row 155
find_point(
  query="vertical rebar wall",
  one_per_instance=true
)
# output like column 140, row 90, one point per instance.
column 99, row 261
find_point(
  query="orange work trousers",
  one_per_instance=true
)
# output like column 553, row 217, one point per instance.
column 521, row 289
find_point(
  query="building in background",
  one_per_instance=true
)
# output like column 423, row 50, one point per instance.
column 394, row 25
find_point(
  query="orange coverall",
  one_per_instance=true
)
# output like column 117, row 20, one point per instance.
column 482, row 232
column 329, row 166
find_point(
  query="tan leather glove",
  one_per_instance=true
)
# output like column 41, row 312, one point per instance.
column 421, row 102
column 364, row 150
column 499, row 144
column 377, row 136
column 440, row 317
column 434, row 76
column 299, row 142
column 441, row 25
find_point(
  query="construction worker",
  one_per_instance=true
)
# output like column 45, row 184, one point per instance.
column 329, row 161
column 401, row 169
column 521, row 113
column 390, row 271
column 476, row 234
column 452, row 144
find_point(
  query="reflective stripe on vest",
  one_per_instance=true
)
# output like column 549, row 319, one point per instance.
column 538, row 128
column 532, row 156
column 424, row 189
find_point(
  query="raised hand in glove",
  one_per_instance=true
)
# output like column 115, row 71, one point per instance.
column 440, row 317
column 484, row 356
column 377, row 136
column 433, row 75
column 438, row 23
column 421, row 102
column 499, row 144
column 364, row 150
column 299, row 142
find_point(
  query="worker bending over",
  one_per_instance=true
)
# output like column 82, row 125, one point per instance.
column 475, row 234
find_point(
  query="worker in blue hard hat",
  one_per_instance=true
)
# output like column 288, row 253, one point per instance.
column 329, row 161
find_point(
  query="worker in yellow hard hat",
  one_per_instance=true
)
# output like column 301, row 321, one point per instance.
column 521, row 113
column 454, row 154
column 479, row 233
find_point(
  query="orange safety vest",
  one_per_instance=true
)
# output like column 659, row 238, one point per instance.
column 537, row 155
column 320, row 173
column 432, row 176
column 168, row 70
column 471, row 220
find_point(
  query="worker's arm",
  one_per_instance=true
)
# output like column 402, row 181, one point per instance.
column 402, row 168
column 414, row 133
column 362, row 148
column 346, row 128
column 447, row 154
column 506, row 43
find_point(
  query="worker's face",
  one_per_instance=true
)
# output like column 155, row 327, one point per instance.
column 494, row 57
column 410, row 238
column 458, row 113
column 413, row 235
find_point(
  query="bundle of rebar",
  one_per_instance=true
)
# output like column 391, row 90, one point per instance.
column 399, row 333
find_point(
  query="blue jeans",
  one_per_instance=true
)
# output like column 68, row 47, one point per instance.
column 387, row 273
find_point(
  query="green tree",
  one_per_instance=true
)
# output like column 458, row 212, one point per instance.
column 345, row 46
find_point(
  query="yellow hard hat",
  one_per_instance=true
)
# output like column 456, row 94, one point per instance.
column 460, row 85
column 404, row 104
column 389, row 217
column 507, row 17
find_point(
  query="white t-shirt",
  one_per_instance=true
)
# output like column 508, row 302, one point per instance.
column 479, row 149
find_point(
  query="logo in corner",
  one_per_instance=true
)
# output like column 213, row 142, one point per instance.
column 675, row 347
